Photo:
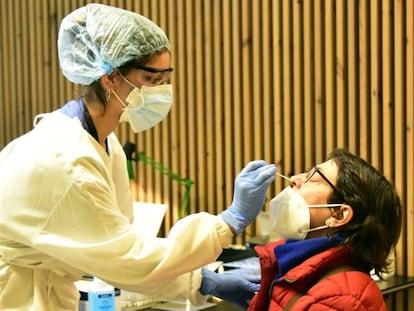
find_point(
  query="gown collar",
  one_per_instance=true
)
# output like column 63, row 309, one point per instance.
column 77, row 109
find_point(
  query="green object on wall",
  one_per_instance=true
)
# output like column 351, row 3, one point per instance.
column 130, row 169
column 187, row 183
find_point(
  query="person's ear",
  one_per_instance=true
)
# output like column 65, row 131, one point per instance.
column 108, row 82
column 341, row 217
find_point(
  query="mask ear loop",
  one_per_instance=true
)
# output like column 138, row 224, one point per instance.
column 327, row 224
column 120, row 100
column 315, row 229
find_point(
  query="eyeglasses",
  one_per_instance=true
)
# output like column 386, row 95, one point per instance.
column 155, row 76
column 315, row 170
column 152, row 69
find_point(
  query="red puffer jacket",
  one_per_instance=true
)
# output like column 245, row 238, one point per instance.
column 346, row 290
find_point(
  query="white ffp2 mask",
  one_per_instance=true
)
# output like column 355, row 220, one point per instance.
column 146, row 106
column 289, row 215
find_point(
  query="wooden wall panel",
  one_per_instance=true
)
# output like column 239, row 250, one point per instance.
column 375, row 118
column 407, row 255
column 286, row 81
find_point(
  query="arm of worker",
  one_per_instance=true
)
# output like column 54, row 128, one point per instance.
column 100, row 241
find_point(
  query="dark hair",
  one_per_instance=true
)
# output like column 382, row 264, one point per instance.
column 376, row 223
column 95, row 93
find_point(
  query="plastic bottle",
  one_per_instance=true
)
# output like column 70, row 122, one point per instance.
column 101, row 296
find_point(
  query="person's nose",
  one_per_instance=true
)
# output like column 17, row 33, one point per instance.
column 296, row 181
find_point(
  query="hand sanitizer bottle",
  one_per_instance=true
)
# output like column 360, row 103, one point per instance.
column 101, row 296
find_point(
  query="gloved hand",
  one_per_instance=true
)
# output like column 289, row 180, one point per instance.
column 249, row 194
column 237, row 288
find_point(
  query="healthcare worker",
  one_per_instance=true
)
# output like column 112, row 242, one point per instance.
column 65, row 203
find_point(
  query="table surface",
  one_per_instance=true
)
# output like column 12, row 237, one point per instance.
column 395, row 283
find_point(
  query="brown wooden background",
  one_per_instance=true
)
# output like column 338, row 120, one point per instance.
column 281, row 80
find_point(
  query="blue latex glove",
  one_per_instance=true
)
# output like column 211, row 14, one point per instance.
column 237, row 288
column 249, row 194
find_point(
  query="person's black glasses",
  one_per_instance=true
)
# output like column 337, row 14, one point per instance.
column 315, row 170
column 151, row 69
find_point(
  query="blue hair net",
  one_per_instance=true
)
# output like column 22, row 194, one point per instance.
column 95, row 39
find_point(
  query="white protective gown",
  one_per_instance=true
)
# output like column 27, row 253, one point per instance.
column 66, row 210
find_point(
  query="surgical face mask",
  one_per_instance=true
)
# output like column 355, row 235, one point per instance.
column 146, row 106
column 290, row 217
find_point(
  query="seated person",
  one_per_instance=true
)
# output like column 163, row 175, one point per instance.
column 338, row 221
